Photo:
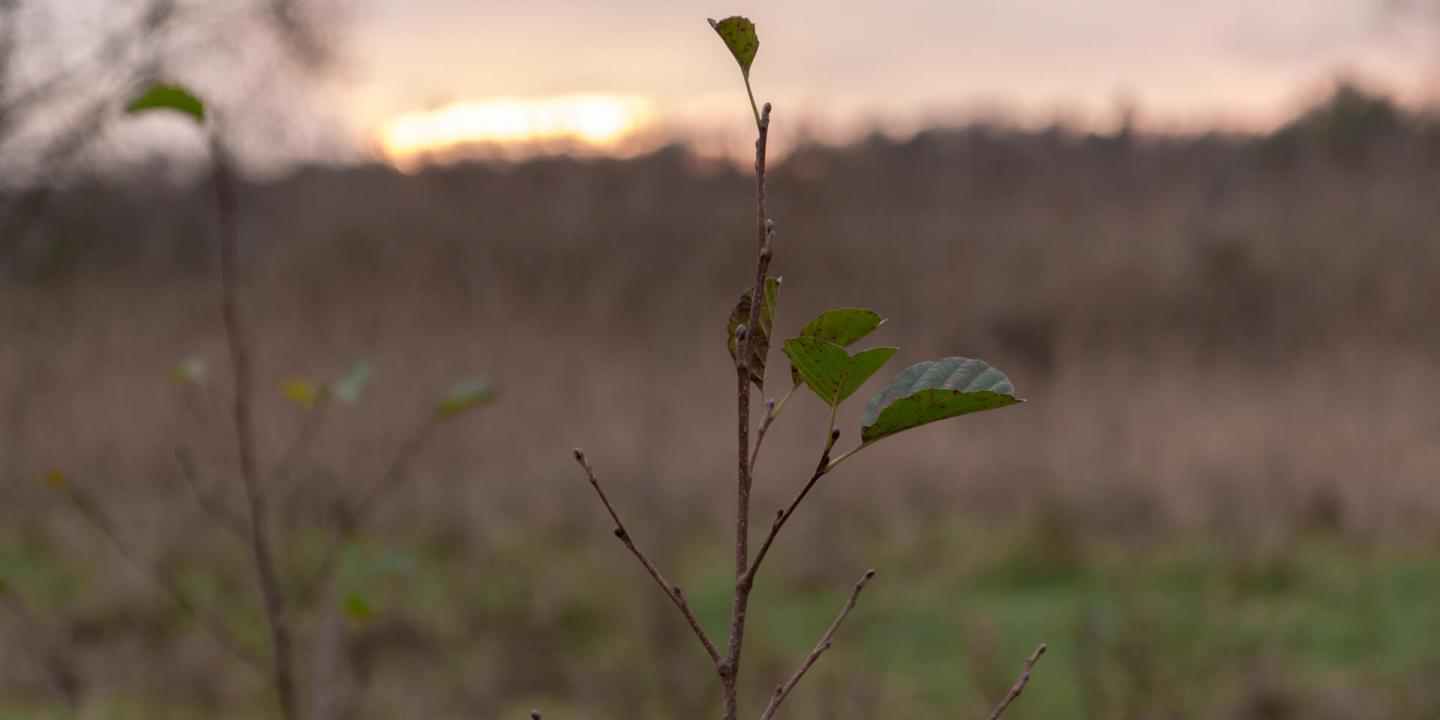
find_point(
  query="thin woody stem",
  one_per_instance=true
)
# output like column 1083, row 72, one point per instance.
column 842, row 457
column 92, row 512
column 57, row 669
column 730, row 667
column 1020, row 683
column 258, row 511
column 206, row 499
column 821, row 469
column 772, row 411
column 783, row 516
column 783, row 691
column 304, row 439
column 760, row 122
column 392, row 480
column 672, row 591
column 785, row 399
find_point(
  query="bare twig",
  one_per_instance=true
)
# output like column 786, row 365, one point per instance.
column 236, row 341
column 392, row 480
column 191, row 395
column 760, row 435
column 329, row 678
column 674, row 592
column 1020, row 683
column 58, row 670
column 772, row 408
column 783, row 691
column 783, row 516
column 206, row 498
column 730, row 667
column 91, row 511
column 303, row 441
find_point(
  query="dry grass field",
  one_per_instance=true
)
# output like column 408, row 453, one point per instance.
column 1222, row 500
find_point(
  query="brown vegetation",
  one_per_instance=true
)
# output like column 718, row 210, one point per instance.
column 1233, row 337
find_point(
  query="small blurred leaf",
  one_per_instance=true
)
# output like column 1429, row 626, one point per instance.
column 358, row 607
column 739, row 35
column 190, row 370
column 301, row 391
column 56, row 479
column 467, row 395
column 830, row 371
column 162, row 96
column 352, row 384
column 394, row 562
column 930, row 391
column 842, row 326
column 760, row 345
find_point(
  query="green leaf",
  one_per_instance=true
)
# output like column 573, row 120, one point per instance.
column 830, row 371
column 760, row 345
column 935, row 390
column 190, row 370
column 842, row 326
column 358, row 607
column 467, row 395
column 350, row 386
column 739, row 35
column 301, row 391
column 162, row 96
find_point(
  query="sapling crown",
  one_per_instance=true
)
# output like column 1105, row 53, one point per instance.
column 820, row 360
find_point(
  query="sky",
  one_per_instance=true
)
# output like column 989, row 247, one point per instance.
column 839, row 68
column 413, row 80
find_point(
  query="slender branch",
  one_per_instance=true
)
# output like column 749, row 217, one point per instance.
column 207, row 500
column 783, row 516
column 769, row 417
column 772, row 411
column 760, row 122
column 260, row 548
column 785, row 399
column 194, row 404
column 391, row 481
column 846, row 455
column 1020, row 683
column 303, row 441
column 91, row 512
column 730, row 667
column 58, row 670
column 329, row 686
column 673, row 591
column 783, row 691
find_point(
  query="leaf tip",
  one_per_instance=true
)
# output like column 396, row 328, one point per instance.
column 467, row 395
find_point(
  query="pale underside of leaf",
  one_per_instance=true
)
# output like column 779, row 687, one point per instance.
column 931, row 391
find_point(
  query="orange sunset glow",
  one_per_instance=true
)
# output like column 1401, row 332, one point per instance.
column 574, row 122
